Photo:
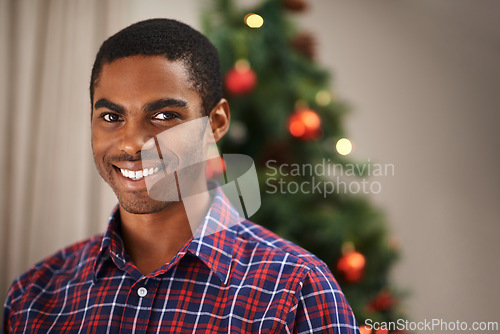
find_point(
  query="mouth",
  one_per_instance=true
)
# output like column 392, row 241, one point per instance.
column 139, row 174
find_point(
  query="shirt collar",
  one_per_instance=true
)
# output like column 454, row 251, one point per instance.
column 112, row 247
column 213, row 241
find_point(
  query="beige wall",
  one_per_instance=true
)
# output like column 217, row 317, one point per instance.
column 423, row 78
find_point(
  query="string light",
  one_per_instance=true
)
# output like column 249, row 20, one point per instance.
column 323, row 98
column 254, row 20
column 344, row 146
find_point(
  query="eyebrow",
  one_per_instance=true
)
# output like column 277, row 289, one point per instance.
column 149, row 107
column 103, row 103
column 162, row 103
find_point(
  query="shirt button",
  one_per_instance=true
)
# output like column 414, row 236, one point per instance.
column 142, row 292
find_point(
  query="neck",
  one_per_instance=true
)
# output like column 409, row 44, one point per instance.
column 152, row 240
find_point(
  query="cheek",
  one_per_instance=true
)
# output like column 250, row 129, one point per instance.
column 100, row 143
column 187, row 143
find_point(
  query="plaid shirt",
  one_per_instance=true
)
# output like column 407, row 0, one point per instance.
column 241, row 279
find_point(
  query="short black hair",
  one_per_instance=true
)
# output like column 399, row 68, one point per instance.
column 174, row 40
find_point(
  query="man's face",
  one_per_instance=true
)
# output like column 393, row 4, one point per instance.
column 135, row 99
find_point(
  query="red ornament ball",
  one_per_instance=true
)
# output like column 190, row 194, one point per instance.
column 365, row 329
column 305, row 44
column 382, row 331
column 295, row 5
column 305, row 124
column 351, row 266
column 382, row 302
column 240, row 79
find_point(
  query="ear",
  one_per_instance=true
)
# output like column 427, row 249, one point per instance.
column 219, row 119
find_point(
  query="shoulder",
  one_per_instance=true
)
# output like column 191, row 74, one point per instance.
column 316, row 302
column 264, row 251
column 69, row 258
column 43, row 280
column 67, row 262
column 266, row 241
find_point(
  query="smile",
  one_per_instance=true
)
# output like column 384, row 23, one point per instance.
column 137, row 175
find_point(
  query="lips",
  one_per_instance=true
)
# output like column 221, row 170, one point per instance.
column 137, row 170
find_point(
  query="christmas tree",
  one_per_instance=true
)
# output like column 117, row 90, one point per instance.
column 284, row 116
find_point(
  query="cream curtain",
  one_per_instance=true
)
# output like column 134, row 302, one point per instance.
column 50, row 193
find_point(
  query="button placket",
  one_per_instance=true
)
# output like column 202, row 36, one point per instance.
column 139, row 304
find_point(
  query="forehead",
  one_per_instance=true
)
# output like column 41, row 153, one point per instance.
column 144, row 78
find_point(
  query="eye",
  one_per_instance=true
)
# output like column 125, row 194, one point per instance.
column 165, row 116
column 110, row 117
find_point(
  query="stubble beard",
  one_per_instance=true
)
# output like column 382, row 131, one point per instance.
column 140, row 203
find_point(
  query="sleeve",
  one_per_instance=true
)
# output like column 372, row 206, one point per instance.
column 6, row 327
column 16, row 292
column 321, row 306
column 6, row 315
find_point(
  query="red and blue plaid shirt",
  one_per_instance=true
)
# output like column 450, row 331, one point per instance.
column 240, row 279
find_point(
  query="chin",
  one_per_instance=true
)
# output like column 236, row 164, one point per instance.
column 142, row 207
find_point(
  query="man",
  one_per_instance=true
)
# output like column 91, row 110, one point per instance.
column 161, row 267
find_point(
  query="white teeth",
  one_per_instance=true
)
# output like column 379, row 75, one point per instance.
column 137, row 175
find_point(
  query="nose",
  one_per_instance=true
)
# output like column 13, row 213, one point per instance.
column 134, row 136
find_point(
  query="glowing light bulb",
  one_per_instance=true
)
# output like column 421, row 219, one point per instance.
column 254, row 20
column 344, row 146
column 323, row 97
